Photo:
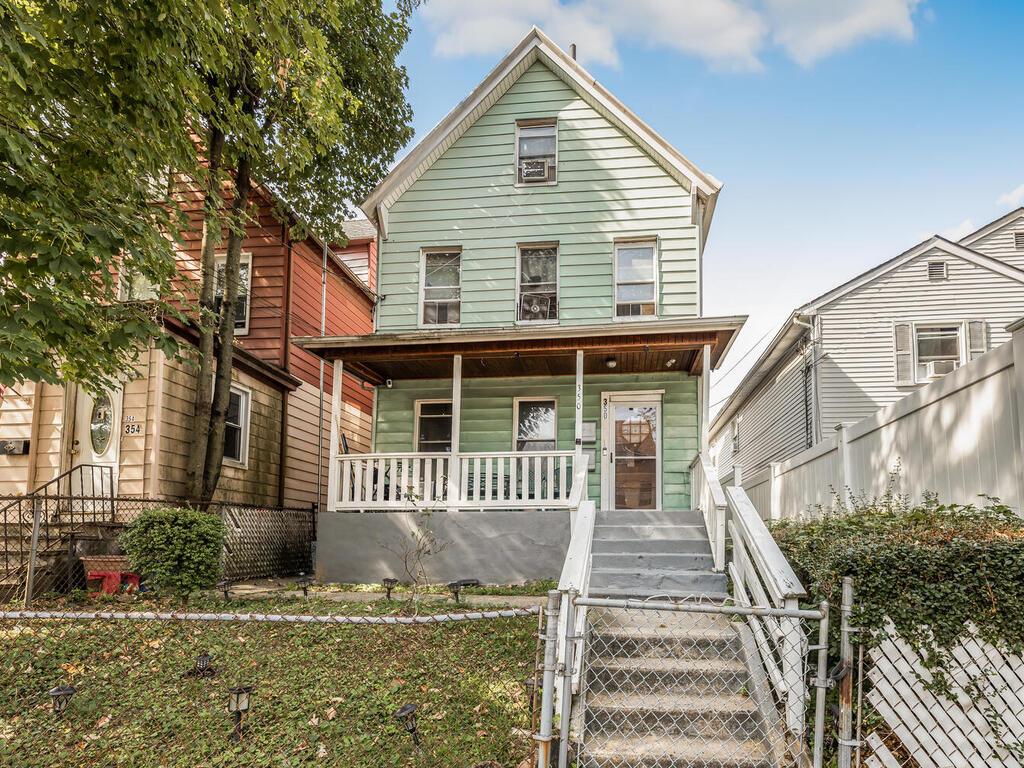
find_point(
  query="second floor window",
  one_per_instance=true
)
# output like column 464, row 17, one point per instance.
column 636, row 281
column 538, row 283
column 938, row 350
column 244, row 289
column 536, row 151
column 442, row 291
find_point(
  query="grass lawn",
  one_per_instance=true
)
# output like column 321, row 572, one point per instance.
column 323, row 694
column 537, row 588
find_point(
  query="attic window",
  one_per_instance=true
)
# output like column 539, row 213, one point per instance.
column 938, row 270
column 1018, row 241
column 536, row 151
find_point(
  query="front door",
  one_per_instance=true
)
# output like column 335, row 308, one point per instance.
column 97, row 443
column 631, row 451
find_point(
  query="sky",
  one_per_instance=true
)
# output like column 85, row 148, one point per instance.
column 844, row 131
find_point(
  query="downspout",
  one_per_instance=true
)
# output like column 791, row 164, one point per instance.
column 286, row 344
column 320, row 394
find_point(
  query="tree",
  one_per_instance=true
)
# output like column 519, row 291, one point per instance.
column 95, row 99
column 310, row 101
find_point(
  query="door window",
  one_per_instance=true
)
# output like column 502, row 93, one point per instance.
column 101, row 424
column 636, row 456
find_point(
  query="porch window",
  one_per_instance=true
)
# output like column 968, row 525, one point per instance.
column 442, row 291
column 938, row 350
column 236, row 426
column 635, row 280
column 244, row 289
column 536, row 425
column 538, row 283
column 433, row 426
column 536, row 151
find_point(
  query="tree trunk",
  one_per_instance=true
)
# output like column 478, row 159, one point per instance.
column 212, row 203
column 226, row 348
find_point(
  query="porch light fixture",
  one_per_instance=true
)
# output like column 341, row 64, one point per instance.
column 304, row 583
column 61, row 697
column 456, row 587
column 238, row 705
column 611, row 362
column 406, row 715
column 670, row 362
column 389, row 585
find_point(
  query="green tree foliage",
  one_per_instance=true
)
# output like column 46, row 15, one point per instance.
column 310, row 102
column 176, row 550
column 95, row 99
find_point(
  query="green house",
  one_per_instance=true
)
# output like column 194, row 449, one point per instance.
column 539, row 337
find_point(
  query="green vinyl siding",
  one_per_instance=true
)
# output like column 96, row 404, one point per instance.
column 487, row 417
column 607, row 189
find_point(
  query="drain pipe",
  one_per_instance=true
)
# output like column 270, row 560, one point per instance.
column 569, row 606
column 547, row 700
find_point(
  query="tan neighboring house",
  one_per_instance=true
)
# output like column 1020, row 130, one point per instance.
column 142, row 431
column 871, row 342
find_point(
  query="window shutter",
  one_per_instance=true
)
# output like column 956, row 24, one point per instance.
column 903, row 338
column 977, row 338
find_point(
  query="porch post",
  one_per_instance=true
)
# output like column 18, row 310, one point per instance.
column 335, row 437
column 705, row 398
column 454, row 462
column 578, row 456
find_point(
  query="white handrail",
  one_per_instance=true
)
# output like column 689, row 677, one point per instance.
column 707, row 490
column 772, row 566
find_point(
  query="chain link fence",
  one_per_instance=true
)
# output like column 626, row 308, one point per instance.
column 696, row 685
column 123, row 686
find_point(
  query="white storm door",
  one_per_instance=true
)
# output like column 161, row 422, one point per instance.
column 97, row 443
column 631, row 451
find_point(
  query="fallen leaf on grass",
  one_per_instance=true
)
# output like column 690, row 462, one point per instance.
column 330, row 714
column 103, row 722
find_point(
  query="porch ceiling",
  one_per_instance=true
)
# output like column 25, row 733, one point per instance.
column 636, row 347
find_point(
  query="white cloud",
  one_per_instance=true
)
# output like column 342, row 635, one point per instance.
column 1012, row 199
column 728, row 34
column 962, row 229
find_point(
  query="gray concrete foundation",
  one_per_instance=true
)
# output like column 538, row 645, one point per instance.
column 494, row 546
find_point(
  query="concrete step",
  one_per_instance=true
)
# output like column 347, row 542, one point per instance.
column 717, row 718
column 651, row 546
column 658, row 582
column 647, row 675
column 636, row 642
column 649, row 517
column 655, row 751
column 682, row 561
column 652, row 532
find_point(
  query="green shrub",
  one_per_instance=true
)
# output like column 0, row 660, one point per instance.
column 932, row 569
column 176, row 550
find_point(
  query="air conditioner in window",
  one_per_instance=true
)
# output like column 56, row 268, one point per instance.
column 938, row 368
column 533, row 170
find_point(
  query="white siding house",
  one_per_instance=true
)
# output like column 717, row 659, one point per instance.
column 871, row 342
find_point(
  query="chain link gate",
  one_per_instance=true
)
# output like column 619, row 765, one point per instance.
column 689, row 683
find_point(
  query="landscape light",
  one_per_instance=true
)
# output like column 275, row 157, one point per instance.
column 389, row 584
column 61, row 696
column 456, row 587
column 225, row 586
column 407, row 717
column 304, row 582
column 202, row 667
column 238, row 705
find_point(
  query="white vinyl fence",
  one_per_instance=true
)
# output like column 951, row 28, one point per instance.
column 959, row 437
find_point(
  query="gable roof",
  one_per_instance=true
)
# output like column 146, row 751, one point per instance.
column 992, row 226
column 536, row 46
column 795, row 326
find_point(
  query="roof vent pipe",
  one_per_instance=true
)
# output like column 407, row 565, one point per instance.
column 572, row 51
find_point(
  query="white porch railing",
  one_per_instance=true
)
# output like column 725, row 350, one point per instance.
column 710, row 500
column 503, row 479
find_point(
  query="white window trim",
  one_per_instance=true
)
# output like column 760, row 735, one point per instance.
column 515, row 418
column 519, row 284
column 423, row 280
column 534, row 123
column 416, row 421
column 246, row 395
column 244, row 258
column 961, row 341
column 633, row 241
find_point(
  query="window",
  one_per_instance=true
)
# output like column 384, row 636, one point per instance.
column 735, row 436
column 536, row 424
column 635, row 280
column 442, row 292
column 244, row 288
column 236, row 426
column 538, row 283
column 136, row 288
column 433, row 426
column 536, row 151
column 937, row 270
column 938, row 350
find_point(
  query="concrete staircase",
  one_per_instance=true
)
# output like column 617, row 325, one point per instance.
column 645, row 553
column 670, row 689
